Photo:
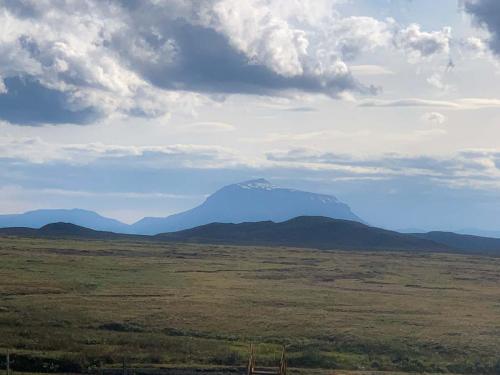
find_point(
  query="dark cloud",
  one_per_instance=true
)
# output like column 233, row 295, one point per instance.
column 28, row 102
column 487, row 14
column 204, row 61
column 127, row 56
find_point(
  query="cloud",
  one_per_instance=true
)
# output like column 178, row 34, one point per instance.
column 436, row 81
column 241, row 54
column 411, row 102
column 486, row 13
column 463, row 103
column 208, row 127
column 370, row 70
column 309, row 136
column 3, row 88
column 478, row 168
column 37, row 151
column 420, row 44
column 64, row 55
column 301, row 109
column 36, row 161
column 435, row 118
column 25, row 101
column 11, row 189
column 474, row 45
column 95, row 59
column 148, row 58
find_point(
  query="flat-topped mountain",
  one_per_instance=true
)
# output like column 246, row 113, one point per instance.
column 250, row 201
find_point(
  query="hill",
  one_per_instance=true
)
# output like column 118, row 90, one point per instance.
column 463, row 242
column 84, row 218
column 63, row 230
column 250, row 201
column 304, row 231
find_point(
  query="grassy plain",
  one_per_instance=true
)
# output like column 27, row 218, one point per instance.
column 66, row 305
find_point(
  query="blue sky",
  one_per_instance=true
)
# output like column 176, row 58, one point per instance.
column 142, row 108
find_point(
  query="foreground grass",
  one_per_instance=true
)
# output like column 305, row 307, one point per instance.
column 68, row 305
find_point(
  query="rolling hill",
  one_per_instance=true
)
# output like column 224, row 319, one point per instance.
column 63, row 230
column 304, row 231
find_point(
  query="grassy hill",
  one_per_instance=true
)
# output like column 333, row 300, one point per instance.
column 305, row 231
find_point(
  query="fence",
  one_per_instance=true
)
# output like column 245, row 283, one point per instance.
column 253, row 370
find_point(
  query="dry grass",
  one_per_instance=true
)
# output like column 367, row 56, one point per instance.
column 202, row 304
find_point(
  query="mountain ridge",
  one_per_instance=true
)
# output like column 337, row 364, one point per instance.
column 252, row 200
column 302, row 232
column 305, row 231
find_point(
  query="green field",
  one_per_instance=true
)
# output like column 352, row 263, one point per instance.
column 67, row 305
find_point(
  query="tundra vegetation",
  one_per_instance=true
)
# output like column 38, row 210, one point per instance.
column 67, row 305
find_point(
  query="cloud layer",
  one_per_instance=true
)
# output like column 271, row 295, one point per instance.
column 77, row 61
column 478, row 168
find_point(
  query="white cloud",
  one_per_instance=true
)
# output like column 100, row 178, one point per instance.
column 410, row 102
column 370, row 70
column 261, row 35
column 435, row 118
column 309, row 136
column 474, row 45
column 208, row 127
column 35, row 150
column 462, row 104
column 476, row 168
column 65, row 48
column 3, row 88
column 355, row 34
column 436, row 80
column 420, row 44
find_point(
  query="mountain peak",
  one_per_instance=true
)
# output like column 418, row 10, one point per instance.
column 259, row 183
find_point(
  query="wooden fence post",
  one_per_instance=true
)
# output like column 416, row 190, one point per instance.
column 283, row 364
column 7, row 364
column 124, row 369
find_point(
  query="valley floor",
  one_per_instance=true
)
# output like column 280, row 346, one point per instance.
column 66, row 306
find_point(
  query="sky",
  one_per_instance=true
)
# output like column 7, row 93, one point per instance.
column 143, row 108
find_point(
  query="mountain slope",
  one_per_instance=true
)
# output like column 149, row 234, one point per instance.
column 250, row 201
column 464, row 243
column 39, row 218
column 305, row 231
